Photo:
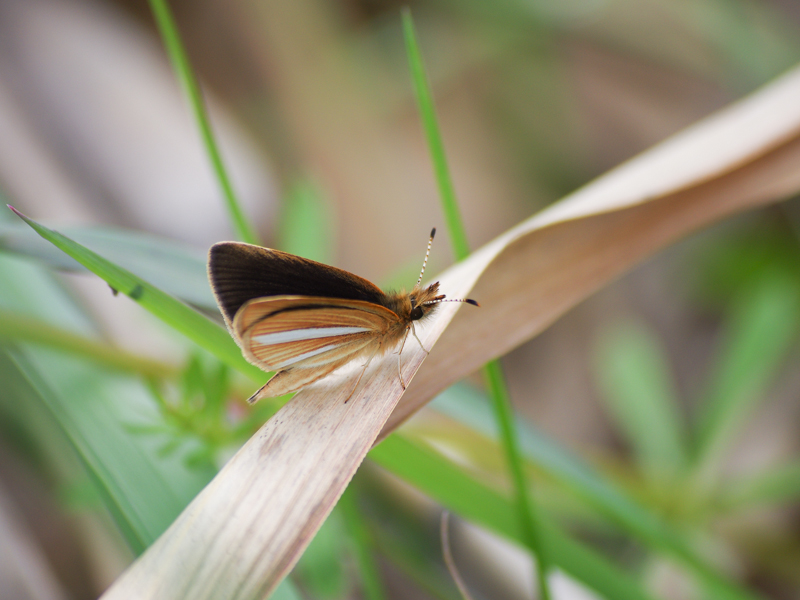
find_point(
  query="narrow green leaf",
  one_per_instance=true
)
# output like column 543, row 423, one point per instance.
column 526, row 508
column 778, row 485
column 204, row 332
column 169, row 265
column 30, row 430
column 180, row 62
column 18, row 327
column 427, row 111
column 762, row 325
column 634, row 375
column 92, row 407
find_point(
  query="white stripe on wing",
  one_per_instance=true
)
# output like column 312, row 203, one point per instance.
column 305, row 355
column 296, row 335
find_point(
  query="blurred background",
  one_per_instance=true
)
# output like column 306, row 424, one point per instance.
column 315, row 114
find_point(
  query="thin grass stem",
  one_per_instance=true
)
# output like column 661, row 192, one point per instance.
column 526, row 507
column 427, row 111
column 17, row 327
column 180, row 62
column 493, row 371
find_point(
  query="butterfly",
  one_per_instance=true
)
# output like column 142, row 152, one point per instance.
column 303, row 319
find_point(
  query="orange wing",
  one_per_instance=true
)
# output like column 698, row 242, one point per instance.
column 304, row 332
column 306, row 338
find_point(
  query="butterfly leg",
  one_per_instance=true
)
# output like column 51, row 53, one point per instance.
column 350, row 395
column 399, row 372
column 414, row 331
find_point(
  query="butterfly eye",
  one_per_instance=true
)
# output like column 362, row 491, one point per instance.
column 416, row 313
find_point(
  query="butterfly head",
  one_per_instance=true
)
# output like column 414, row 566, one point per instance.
column 423, row 301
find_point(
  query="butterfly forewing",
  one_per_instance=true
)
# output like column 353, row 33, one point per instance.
column 240, row 272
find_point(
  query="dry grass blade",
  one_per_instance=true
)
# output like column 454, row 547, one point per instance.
column 743, row 157
column 244, row 532
column 246, row 529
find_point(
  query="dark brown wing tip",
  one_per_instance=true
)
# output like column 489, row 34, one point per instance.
column 224, row 246
column 471, row 301
column 217, row 250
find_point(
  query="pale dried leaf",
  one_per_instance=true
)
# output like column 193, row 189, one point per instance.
column 247, row 528
column 244, row 532
column 742, row 157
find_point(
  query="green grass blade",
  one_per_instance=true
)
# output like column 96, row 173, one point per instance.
column 493, row 370
column 176, row 268
column 143, row 490
column 581, row 480
column 763, row 325
column 22, row 328
column 180, row 62
column 204, row 332
column 778, row 485
column 639, row 394
column 433, row 474
column 427, row 111
column 526, row 508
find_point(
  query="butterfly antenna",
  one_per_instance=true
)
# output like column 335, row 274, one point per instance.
column 467, row 300
column 427, row 253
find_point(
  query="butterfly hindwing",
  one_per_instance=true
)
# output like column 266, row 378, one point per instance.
column 291, row 380
column 260, row 308
column 304, row 333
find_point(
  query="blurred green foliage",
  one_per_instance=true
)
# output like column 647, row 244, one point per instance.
column 143, row 435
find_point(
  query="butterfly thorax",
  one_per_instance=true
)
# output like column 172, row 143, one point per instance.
column 414, row 305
